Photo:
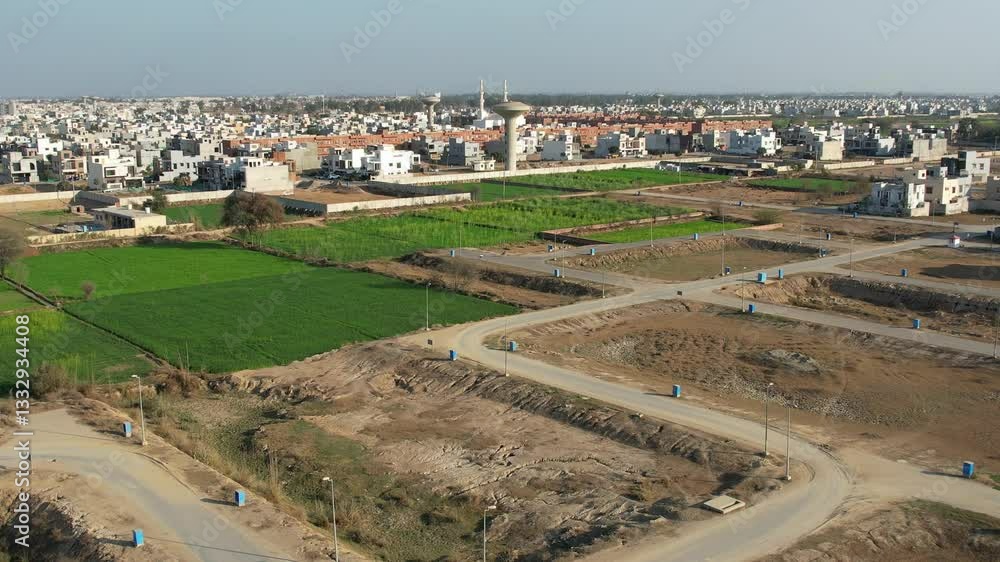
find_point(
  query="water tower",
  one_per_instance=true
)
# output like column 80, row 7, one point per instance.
column 511, row 111
column 429, row 102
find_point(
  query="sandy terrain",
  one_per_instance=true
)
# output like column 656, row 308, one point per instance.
column 846, row 386
column 324, row 195
column 749, row 194
column 690, row 260
column 885, row 303
column 966, row 266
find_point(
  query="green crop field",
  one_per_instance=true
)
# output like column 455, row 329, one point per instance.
column 13, row 301
column 614, row 180
column 138, row 269
column 366, row 238
column 486, row 192
column 264, row 321
column 807, row 184
column 671, row 230
column 84, row 352
column 210, row 216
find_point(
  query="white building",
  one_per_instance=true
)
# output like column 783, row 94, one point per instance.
column 620, row 144
column 899, row 198
column 384, row 160
column 561, row 149
column 113, row 172
column 946, row 194
column 245, row 173
column 18, row 168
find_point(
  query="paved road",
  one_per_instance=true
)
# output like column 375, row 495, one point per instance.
column 796, row 511
column 171, row 513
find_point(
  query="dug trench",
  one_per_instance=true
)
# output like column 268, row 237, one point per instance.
column 419, row 446
column 885, row 303
column 921, row 404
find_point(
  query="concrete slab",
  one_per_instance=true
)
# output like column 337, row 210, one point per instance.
column 724, row 504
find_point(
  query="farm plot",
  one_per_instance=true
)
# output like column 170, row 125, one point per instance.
column 816, row 185
column 367, row 238
column 137, row 269
column 264, row 321
column 613, row 180
column 208, row 216
column 485, row 192
column 86, row 354
column 669, row 230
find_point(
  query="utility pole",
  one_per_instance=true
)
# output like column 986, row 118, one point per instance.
column 427, row 310
column 767, row 397
column 852, row 256
column 651, row 221
column 333, row 506
column 996, row 329
column 723, row 211
column 743, row 297
column 506, row 346
column 142, row 415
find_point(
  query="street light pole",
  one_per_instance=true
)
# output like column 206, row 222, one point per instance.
column 996, row 329
column 506, row 346
column 852, row 256
column 427, row 310
column 485, row 510
column 788, row 444
column 333, row 506
column 743, row 298
column 142, row 415
column 723, row 211
column 767, row 397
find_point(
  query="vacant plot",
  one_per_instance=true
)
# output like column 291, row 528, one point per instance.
column 693, row 260
column 485, row 191
column 367, row 238
column 262, row 321
column 966, row 266
column 817, row 185
column 883, row 393
column 138, row 269
column 613, row 180
column 208, row 216
column 670, row 230
column 86, row 354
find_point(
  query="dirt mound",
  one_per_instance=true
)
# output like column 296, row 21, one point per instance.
column 791, row 360
column 620, row 259
column 543, row 284
column 58, row 532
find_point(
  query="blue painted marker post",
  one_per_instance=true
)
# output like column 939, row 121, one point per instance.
column 137, row 538
column 751, row 308
column 451, row 253
column 728, row 270
column 677, row 391
column 762, row 277
column 855, row 214
column 781, row 274
column 551, row 248
column 240, row 498
column 968, row 469
column 512, row 346
column 916, row 323
column 695, row 236
column 556, row 272
column 829, row 236
column 127, row 429
column 904, row 273
column 452, row 355
column 593, row 251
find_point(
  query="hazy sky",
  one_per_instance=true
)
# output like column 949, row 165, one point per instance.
column 226, row 47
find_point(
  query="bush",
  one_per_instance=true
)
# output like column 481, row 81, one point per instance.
column 50, row 379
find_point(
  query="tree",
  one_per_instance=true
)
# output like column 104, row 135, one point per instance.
column 182, row 180
column 250, row 211
column 158, row 202
column 11, row 247
column 88, row 289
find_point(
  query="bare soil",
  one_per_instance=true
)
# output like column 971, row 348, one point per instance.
column 693, row 260
column 844, row 227
column 916, row 531
column 750, row 194
column 885, row 303
column 881, row 392
column 569, row 475
column 965, row 266
column 332, row 195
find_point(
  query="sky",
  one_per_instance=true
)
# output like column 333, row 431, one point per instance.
column 135, row 48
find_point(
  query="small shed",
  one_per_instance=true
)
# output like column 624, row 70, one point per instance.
column 955, row 241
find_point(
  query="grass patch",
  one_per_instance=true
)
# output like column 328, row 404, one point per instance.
column 487, row 192
column 614, row 180
column 137, row 269
column 670, row 230
column 11, row 300
column 366, row 238
column 87, row 354
column 209, row 216
column 265, row 321
column 815, row 185
column 954, row 514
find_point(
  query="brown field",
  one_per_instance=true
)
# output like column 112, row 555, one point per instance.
column 966, row 266
column 329, row 196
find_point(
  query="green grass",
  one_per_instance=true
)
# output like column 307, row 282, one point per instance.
column 671, row 230
column 614, row 180
column 806, row 184
column 13, row 301
column 366, row 238
column 263, row 321
column 486, row 192
column 137, row 269
column 210, row 215
column 86, row 353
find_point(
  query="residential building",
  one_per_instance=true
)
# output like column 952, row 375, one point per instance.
column 67, row 166
column 462, row 153
column 383, row 160
column 114, row 218
column 113, row 172
column 618, row 144
column 245, row 173
column 899, row 198
column 828, row 150
column 969, row 162
column 946, row 194
column 18, row 168
column 561, row 149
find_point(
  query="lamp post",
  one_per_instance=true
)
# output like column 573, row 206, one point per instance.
column 996, row 329
column 852, row 256
column 142, row 415
column 723, row 212
column 743, row 297
column 506, row 346
column 788, row 444
column 333, row 506
column 427, row 309
column 485, row 511
column 767, row 397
